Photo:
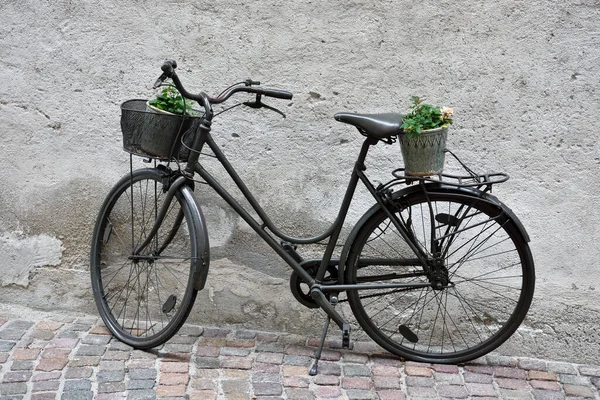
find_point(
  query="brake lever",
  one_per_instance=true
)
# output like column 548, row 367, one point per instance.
column 259, row 104
column 159, row 81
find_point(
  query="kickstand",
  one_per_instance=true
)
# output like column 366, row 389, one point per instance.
column 313, row 370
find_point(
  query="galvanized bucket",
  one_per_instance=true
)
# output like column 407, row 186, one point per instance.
column 424, row 154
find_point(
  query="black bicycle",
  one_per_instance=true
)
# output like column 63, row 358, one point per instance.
column 437, row 270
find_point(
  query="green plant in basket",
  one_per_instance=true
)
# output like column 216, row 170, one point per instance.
column 425, row 117
column 170, row 100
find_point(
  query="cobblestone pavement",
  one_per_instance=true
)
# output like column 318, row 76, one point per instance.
column 72, row 356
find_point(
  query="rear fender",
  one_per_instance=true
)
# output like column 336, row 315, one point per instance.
column 431, row 188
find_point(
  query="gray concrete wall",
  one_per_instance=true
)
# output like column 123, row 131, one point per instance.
column 522, row 78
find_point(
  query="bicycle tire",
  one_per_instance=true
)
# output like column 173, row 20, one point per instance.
column 144, row 300
column 489, row 286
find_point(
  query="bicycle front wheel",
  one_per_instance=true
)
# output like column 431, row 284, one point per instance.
column 143, row 298
column 485, row 277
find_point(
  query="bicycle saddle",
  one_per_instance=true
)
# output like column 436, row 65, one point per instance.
column 378, row 126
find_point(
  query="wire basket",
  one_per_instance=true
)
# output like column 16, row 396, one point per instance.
column 150, row 134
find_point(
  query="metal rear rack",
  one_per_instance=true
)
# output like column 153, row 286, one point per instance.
column 472, row 180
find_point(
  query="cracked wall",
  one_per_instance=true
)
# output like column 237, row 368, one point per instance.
column 522, row 78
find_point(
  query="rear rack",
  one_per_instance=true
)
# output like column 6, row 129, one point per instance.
column 471, row 180
column 482, row 182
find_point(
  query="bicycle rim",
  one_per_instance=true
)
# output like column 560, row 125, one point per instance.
column 143, row 298
column 487, row 274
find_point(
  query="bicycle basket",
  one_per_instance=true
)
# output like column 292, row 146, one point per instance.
column 150, row 134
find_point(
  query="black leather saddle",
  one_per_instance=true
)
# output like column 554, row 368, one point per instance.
column 378, row 126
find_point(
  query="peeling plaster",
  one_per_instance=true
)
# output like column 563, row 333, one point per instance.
column 23, row 253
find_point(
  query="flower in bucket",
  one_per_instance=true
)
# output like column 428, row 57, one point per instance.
column 425, row 116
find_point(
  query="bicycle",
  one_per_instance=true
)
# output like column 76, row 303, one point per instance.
column 437, row 271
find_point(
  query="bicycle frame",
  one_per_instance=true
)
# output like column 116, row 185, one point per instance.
column 204, row 137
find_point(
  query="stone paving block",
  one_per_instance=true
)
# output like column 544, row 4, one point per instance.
column 171, row 379
column 110, row 375
column 46, row 386
column 171, row 391
column 25, row 354
column 93, row 339
column 77, row 384
column 330, row 368
column 51, row 364
column 84, row 361
column 514, row 394
column 545, row 385
column 481, row 389
column 503, row 361
column 418, row 371
column 327, row 392
column 235, row 386
column 16, row 377
column 270, row 358
column 542, row 375
column 355, row 358
column 235, row 351
column 215, row 333
column 299, row 394
column 296, row 382
column 63, row 343
column 111, row 387
column 589, row 370
column 236, row 362
column 421, row 392
column 452, row 391
column 420, row 381
column 578, row 391
column 78, row 372
column 207, row 362
column 361, row 383
column 532, row 364
column 141, row 394
column 356, row 370
column 539, row 394
column 22, row 365
column 359, row 394
column 270, row 347
column 267, row 389
column 562, row 368
column 297, row 360
column 386, row 382
column 514, row 384
column 44, row 396
column 7, row 389
column 6, row 345
column 77, row 395
column 46, row 376
column 208, row 351
column 90, row 350
column 142, row 373
column 508, row 372
column 139, row 384
column 391, row 395
column 574, row 379
column 385, row 370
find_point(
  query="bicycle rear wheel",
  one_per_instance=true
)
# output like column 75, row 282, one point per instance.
column 145, row 298
column 486, row 270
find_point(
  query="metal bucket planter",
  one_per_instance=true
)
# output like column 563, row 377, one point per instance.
column 424, row 154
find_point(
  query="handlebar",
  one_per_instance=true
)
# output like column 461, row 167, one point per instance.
column 206, row 101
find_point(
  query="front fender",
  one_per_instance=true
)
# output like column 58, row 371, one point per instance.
column 201, row 264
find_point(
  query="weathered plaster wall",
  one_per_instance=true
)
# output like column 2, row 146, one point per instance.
column 521, row 76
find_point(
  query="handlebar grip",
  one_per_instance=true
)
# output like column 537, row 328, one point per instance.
column 168, row 67
column 278, row 94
